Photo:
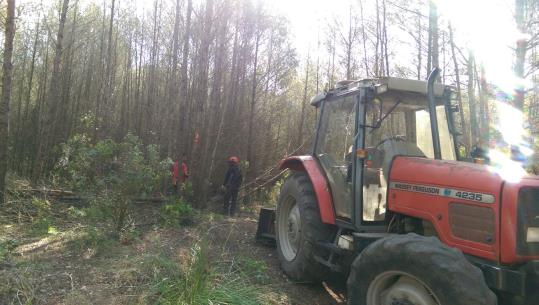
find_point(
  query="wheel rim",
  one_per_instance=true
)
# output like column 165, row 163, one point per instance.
column 399, row 288
column 289, row 227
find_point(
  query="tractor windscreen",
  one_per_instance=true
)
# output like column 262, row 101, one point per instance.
column 408, row 123
column 399, row 127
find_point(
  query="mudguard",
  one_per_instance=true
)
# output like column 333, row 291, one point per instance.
column 320, row 185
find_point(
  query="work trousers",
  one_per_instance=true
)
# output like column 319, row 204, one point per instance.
column 230, row 199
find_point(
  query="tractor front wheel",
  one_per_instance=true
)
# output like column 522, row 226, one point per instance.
column 298, row 228
column 415, row 270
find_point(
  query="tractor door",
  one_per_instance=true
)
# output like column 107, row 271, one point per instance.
column 391, row 128
column 334, row 147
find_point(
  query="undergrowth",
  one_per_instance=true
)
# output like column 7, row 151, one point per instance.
column 200, row 282
column 177, row 212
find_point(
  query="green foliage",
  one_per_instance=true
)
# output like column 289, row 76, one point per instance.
column 6, row 248
column 111, row 173
column 270, row 195
column 178, row 212
column 255, row 269
column 42, row 222
column 127, row 166
column 75, row 213
column 187, row 191
column 42, row 206
column 41, row 226
column 91, row 240
column 197, row 283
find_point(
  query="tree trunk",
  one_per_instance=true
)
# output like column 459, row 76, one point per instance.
column 471, row 99
column 6, row 95
column 384, row 32
column 520, row 51
column 364, row 38
column 252, row 107
column 433, row 34
column 49, row 126
column 302, row 117
column 459, row 95
column 182, row 136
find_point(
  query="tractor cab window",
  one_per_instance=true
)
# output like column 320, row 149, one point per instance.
column 396, row 128
column 334, row 149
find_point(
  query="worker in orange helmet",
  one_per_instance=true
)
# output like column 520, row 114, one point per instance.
column 231, row 185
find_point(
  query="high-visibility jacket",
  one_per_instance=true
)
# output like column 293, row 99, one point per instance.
column 175, row 172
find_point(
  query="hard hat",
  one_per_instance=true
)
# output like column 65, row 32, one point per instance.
column 234, row 159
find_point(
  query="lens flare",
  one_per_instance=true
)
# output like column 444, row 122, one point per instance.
column 510, row 149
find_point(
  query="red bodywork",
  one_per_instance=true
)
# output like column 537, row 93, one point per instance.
column 321, row 188
column 509, row 221
column 467, row 177
column 463, row 176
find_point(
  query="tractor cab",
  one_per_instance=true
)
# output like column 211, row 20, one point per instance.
column 363, row 125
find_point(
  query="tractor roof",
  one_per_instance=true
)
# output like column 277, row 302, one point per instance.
column 386, row 88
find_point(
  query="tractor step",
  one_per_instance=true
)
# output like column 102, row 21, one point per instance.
column 266, row 226
column 330, row 265
column 331, row 247
column 363, row 240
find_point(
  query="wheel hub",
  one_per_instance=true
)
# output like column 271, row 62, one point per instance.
column 399, row 288
column 293, row 228
column 401, row 302
column 289, row 226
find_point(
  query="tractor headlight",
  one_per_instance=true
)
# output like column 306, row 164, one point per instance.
column 528, row 221
column 532, row 236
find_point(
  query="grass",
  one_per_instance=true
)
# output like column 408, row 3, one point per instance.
column 61, row 251
column 199, row 282
column 17, row 288
column 91, row 241
column 254, row 269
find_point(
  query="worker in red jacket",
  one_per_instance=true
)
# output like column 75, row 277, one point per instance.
column 185, row 170
column 179, row 173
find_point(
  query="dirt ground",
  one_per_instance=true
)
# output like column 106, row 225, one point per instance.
column 61, row 267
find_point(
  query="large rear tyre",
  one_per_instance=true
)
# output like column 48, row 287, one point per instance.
column 298, row 228
column 415, row 270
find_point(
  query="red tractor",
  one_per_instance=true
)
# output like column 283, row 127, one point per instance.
column 386, row 199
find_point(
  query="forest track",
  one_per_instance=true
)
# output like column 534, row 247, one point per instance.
column 64, row 267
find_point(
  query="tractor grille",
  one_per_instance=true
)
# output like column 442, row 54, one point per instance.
column 528, row 217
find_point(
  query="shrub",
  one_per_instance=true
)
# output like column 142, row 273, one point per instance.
column 42, row 222
column 111, row 174
column 178, row 212
column 92, row 241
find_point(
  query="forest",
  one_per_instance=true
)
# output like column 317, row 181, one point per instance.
column 216, row 78
column 99, row 97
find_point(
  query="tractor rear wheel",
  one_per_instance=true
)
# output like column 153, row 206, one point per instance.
column 415, row 270
column 298, row 228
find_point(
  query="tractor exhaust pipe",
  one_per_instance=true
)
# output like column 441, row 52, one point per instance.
column 432, row 113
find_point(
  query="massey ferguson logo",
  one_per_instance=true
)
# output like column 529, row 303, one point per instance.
column 444, row 192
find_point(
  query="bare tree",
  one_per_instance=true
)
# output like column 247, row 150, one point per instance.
column 458, row 85
column 6, row 94
column 49, row 126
